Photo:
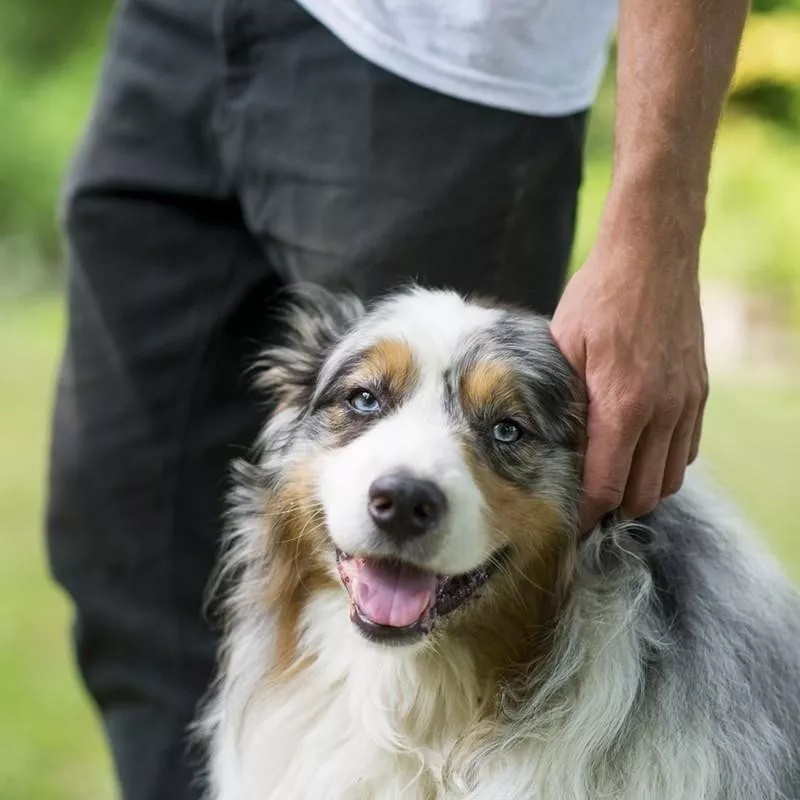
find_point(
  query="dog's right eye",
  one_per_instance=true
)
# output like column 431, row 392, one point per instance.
column 506, row 432
column 364, row 402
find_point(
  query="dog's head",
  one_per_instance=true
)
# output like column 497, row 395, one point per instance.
column 421, row 452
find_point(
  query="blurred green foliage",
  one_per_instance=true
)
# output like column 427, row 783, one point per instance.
column 38, row 37
column 49, row 57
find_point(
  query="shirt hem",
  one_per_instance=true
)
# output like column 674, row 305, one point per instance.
column 464, row 84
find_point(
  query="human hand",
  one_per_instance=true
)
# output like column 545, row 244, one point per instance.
column 629, row 322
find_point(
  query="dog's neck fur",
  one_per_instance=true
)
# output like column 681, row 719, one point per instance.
column 387, row 720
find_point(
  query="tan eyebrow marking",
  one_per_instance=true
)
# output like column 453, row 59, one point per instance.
column 392, row 362
column 490, row 384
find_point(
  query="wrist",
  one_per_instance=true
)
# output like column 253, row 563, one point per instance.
column 653, row 221
column 661, row 180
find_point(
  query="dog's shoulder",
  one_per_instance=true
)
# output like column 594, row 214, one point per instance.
column 731, row 619
column 710, row 569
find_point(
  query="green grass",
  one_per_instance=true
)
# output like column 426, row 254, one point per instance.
column 50, row 741
column 751, row 443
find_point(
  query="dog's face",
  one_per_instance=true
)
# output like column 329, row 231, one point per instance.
column 420, row 451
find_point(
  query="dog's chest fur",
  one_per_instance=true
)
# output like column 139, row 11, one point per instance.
column 365, row 725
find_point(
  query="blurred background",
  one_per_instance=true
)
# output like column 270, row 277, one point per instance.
column 50, row 740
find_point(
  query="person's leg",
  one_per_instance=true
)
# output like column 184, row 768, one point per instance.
column 354, row 177
column 168, row 300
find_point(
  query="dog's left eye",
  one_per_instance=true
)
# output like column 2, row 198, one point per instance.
column 506, row 431
column 364, row 402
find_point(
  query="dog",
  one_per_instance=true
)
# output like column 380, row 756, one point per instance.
column 412, row 614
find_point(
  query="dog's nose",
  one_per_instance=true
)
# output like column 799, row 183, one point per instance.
column 404, row 507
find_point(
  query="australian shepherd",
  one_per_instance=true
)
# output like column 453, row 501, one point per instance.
column 412, row 614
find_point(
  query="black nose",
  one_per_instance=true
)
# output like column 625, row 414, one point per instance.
column 403, row 506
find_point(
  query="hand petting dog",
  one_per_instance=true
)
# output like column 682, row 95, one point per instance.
column 630, row 323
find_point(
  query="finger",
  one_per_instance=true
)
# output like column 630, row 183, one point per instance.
column 650, row 459
column 679, row 452
column 646, row 478
column 611, row 440
column 697, row 432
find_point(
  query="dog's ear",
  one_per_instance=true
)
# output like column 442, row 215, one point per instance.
column 315, row 321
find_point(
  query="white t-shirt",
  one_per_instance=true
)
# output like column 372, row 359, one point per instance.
column 543, row 57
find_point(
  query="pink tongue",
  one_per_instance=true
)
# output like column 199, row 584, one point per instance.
column 391, row 594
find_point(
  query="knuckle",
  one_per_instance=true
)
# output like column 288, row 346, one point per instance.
column 669, row 409
column 697, row 395
column 672, row 485
column 673, row 403
column 631, row 411
column 643, row 492
column 607, row 497
column 694, row 401
column 643, row 503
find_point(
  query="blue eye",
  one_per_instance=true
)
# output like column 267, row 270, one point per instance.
column 506, row 431
column 364, row 402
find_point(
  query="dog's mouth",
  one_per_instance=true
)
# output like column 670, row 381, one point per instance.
column 395, row 602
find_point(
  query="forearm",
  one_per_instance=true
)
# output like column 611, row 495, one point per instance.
column 675, row 62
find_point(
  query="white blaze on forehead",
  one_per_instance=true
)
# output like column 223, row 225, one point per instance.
column 434, row 324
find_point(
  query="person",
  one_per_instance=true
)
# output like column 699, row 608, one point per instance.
column 238, row 147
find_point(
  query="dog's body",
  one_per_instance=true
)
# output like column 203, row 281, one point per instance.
column 650, row 661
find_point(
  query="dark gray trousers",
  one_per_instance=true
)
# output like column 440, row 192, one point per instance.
column 235, row 147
